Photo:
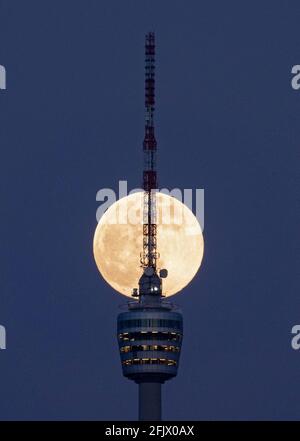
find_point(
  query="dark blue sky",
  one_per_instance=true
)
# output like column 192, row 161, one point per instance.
column 72, row 122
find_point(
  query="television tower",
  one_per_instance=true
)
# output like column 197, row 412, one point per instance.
column 150, row 331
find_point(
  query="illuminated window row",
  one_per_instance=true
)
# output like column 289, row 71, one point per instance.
column 150, row 348
column 141, row 361
column 151, row 335
column 150, row 323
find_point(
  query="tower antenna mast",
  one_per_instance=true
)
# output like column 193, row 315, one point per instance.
column 149, row 254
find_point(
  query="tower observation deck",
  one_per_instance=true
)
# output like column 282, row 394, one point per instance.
column 150, row 330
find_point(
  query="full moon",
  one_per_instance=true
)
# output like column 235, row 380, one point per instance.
column 118, row 243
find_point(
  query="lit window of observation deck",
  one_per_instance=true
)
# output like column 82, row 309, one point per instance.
column 142, row 361
column 151, row 335
column 150, row 323
column 137, row 348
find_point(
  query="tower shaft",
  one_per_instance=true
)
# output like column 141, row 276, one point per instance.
column 150, row 401
column 149, row 254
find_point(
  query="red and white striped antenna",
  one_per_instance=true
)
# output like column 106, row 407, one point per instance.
column 149, row 254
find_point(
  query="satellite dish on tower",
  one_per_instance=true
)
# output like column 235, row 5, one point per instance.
column 163, row 273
